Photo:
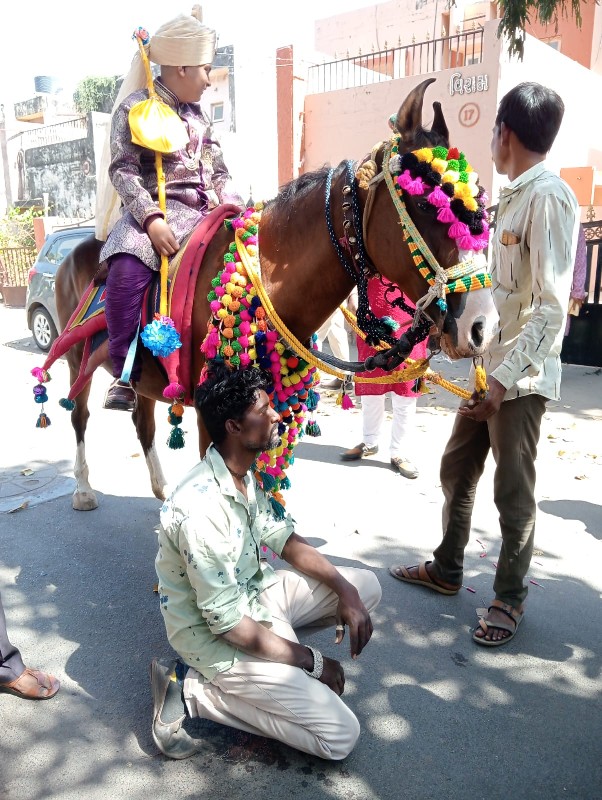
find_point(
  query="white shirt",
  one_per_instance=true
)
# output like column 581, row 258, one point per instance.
column 533, row 253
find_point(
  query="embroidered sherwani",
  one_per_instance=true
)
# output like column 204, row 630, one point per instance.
column 196, row 179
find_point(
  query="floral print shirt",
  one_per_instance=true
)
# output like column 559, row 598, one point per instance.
column 209, row 562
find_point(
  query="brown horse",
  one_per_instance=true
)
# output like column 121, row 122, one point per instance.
column 303, row 277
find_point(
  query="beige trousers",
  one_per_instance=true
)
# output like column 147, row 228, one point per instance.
column 277, row 700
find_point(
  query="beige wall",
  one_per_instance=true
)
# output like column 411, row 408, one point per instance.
column 347, row 123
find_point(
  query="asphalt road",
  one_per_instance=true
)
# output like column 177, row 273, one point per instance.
column 440, row 716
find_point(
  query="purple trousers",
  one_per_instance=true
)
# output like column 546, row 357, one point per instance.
column 127, row 282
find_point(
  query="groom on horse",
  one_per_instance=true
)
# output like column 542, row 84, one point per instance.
column 196, row 181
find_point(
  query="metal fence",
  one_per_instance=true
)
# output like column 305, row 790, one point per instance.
column 15, row 263
column 419, row 58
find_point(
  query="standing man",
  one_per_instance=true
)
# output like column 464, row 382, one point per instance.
column 228, row 615
column 533, row 252
column 15, row 677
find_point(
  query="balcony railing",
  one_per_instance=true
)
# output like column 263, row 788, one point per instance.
column 420, row 58
column 52, row 134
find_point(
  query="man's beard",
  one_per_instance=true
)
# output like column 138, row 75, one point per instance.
column 269, row 444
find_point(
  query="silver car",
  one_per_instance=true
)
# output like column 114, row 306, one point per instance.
column 40, row 305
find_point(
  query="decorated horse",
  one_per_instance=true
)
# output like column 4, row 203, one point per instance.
column 323, row 233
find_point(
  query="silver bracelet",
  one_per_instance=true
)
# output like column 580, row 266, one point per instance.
column 316, row 672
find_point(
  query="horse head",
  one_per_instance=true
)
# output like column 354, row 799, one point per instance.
column 433, row 188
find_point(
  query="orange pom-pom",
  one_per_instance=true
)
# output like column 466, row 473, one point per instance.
column 228, row 351
column 260, row 313
column 230, row 321
column 228, row 333
column 262, row 325
column 234, row 305
column 177, row 409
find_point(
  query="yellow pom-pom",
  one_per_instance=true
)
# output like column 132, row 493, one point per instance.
column 451, row 176
column 471, row 204
column 252, row 354
column 226, row 299
column 279, row 347
column 424, row 154
column 229, row 287
column 439, row 165
column 222, row 313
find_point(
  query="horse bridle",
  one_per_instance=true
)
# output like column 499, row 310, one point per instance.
column 359, row 266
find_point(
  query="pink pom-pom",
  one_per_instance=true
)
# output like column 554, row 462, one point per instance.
column 446, row 215
column 438, row 198
column 220, row 291
column 281, row 461
column 245, row 359
column 243, row 341
column 173, row 391
column 225, row 276
column 231, row 267
column 416, row 187
column 458, row 229
column 282, row 395
column 244, row 327
column 251, row 240
column 275, row 357
column 347, row 402
column 404, row 179
column 40, row 374
column 264, row 457
column 215, row 306
column 468, row 243
column 245, row 316
column 272, row 336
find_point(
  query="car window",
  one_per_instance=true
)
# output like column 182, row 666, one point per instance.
column 60, row 249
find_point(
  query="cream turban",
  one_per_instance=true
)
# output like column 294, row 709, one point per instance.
column 182, row 42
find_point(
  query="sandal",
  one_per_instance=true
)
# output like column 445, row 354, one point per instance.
column 46, row 685
column 515, row 618
column 423, row 579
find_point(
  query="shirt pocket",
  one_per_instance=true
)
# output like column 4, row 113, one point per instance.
column 508, row 260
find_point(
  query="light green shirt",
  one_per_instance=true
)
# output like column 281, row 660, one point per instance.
column 208, row 564
column 533, row 254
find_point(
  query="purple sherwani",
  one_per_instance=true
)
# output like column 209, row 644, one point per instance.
column 196, row 181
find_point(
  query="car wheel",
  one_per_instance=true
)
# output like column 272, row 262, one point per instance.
column 43, row 329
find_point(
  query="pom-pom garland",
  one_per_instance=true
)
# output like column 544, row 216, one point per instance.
column 448, row 183
column 240, row 334
column 40, row 395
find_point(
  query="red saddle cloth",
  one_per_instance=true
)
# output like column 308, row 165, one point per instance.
column 88, row 321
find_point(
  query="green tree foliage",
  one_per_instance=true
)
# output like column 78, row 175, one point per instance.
column 16, row 228
column 95, row 94
column 516, row 14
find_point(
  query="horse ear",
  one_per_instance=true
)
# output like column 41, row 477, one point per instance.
column 439, row 125
column 409, row 116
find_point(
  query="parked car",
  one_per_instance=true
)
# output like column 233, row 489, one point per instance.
column 40, row 305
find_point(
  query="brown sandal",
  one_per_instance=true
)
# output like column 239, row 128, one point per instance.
column 423, row 579
column 515, row 617
column 47, row 685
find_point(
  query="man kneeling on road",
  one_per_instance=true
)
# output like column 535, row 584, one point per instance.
column 229, row 616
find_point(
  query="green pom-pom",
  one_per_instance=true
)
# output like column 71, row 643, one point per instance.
column 277, row 508
column 232, row 249
column 229, row 258
column 67, row 404
column 313, row 429
column 215, row 282
column 211, row 296
column 391, row 323
column 453, row 164
column 268, row 481
column 235, row 361
column 312, row 400
column 463, row 178
column 175, row 440
column 440, row 152
column 174, row 419
column 463, row 164
column 236, row 346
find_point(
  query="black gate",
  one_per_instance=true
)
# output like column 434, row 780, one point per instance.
column 583, row 345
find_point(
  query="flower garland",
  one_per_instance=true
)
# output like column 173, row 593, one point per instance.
column 452, row 187
column 240, row 334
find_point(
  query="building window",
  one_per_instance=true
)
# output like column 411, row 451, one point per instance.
column 217, row 112
column 554, row 43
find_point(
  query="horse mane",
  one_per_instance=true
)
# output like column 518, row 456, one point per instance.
column 305, row 184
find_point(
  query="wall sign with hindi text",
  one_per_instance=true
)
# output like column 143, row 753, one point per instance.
column 458, row 84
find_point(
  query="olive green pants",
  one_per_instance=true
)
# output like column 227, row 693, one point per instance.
column 512, row 435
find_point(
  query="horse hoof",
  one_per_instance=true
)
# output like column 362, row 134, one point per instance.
column 84, row 501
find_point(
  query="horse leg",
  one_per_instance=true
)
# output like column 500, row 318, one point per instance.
column 84, row 498
column 144, row 420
